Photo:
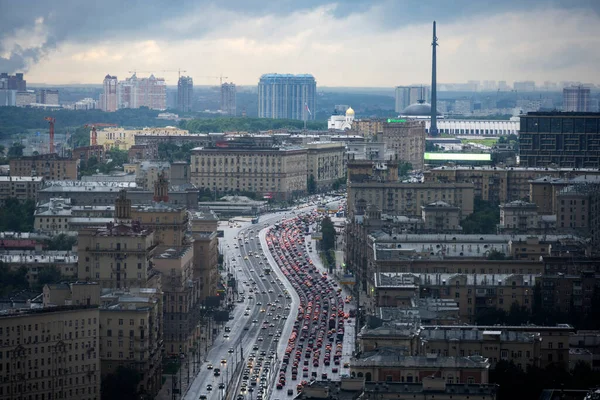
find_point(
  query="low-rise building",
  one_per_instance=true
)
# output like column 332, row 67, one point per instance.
column 20, row 187
column 51, row 167
column 37, row 261
column 391, row 365
column 50, row 353
column 141, row 152
column 87, row 152
column 131, row 335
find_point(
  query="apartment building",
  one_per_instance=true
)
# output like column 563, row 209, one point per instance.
column 574, row 208
column 50, row 353
column 118, row 255
column 204, row 225
column 520, row 217
column 405, row 139
column 131, row 335
column 502, row 185
column 553, row 341
column 377, row 184
column 87, row 152
column 391, row 365
column 569, row 293
column 367, row 127
column 440, row 216
column 473, row 293
column 181, row 294
column 326, row 163
column 20, row 187
column 140, row 152
column 51, row 167
column 278, row 173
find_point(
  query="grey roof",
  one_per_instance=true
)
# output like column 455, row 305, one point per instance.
column 477, row 335
column 396, row 358
column 418, row 110
column 403, row 279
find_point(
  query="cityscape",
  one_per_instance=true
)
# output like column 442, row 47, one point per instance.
column 203, row 227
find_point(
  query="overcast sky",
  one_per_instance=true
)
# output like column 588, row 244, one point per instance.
column 342, row 43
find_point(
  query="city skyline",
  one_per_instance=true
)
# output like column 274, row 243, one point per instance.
column 543, row 40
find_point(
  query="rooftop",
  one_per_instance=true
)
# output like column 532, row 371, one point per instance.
column 21, row 179
column 401, row 279
column 35, row 257
column 478, row 335
column 396, row 358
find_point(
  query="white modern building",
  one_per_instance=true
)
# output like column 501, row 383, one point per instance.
column 477, row 127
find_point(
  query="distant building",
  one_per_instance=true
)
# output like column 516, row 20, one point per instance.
column 407, row 95
column 48, row 166
column 25, row 98
column 563, row 140
column 48, row 96
column 228, row 99
column 20, row 187
column 12, row 82
column 136, row 92
column 525, row 86
column 185, row 93
column 86, row 104
column 577, row 99
column 86, row 152
column 108, row 98
column 287, row 96
column 123, row 139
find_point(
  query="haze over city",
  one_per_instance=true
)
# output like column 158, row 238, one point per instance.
column 344, row 43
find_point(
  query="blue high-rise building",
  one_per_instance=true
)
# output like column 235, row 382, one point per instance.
column 287, row 96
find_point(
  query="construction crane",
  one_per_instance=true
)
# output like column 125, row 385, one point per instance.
column 51, row 121
column 94, row 139
column 220, row 78
column 179, row 71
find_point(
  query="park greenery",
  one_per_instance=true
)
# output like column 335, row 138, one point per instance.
column 328, row 243
column 242, row 124
column 483, row 220
column 17, row 216
column 121, row 385
column 173, row 152
column 115, row 160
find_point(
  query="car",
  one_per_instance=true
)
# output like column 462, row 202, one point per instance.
column 231, row 350
column 255, row 321
column 260, row 339
column 209, row 387
column 221, row 385
column 209, row 366
column 202, row 397
column 226, row 335
column 223, row 361
column 217, row 372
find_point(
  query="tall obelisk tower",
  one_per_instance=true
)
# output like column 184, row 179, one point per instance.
column 433, row 130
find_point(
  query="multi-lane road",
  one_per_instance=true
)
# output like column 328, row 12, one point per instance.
column 249, row 355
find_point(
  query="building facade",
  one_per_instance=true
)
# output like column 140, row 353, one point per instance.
column 406, row 141
column 136, row 92
column 563, row 140
column 48, row 96
column 228, row 99
column 51, row 167
column 279, row 173
column 326, row 163
column 287, row 96
column 20, row 187
column 108, row 97
column 50, row 353
column 185, row 93
column 576, row 99
column 204, row 224
column 123, row 139
column 131, row 336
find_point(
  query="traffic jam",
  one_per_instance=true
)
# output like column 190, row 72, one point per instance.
column 318, row 332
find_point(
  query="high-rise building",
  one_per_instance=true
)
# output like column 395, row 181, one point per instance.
column 228, row 98
column 406, row 140
column 525, row 86
column 48, row 96
column 13, row 82
column 576, row 98
column 185, row 93
column 287, row 96
column 136, row 92
column 407, row 95
column 108, row 98
column 564, row 140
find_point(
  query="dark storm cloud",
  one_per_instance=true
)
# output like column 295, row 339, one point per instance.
column 87, row 21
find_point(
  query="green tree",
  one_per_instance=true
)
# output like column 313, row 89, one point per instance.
column 496, row 255
column 121, row 385
column 49, row 274
column 404, row 168
column 61, row 242
column 17, row 216
column 483, row 220
column 11, row 280
column 16, row 150
column 311, row 185
column 328, row 231
column 2, row 150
